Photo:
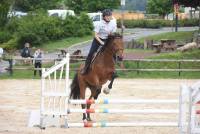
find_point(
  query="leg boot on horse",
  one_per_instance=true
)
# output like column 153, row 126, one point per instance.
column 107, row 90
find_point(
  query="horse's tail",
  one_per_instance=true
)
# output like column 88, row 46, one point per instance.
column 75, row 89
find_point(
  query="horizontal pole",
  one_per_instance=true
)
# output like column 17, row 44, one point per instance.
column 54, row 68
column 160, row 70
column 49, row 58
column 197, row 111
column 124, row 124
column 163, row 60
column 128, row 111
column 144, row 70
column 54, row 94
column 118, row 101
column 54, row 112
column 84, row 56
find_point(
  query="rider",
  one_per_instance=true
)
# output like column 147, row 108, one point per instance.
column 101, row 32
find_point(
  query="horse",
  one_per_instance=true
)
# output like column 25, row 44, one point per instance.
column 76, row 55
column 102, row 69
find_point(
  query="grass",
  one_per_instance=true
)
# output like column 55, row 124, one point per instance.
column 192, row 54
column 178, row 36
column 137, row 50
column 52, row 46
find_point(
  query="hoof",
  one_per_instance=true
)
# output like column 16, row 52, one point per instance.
column 89, row 119
column 106, row 90
column 84, row 120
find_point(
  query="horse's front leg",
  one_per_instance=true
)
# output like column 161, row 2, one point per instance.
column 88, row 107
column 107, row 90
column 82, row 96
column 94, row 95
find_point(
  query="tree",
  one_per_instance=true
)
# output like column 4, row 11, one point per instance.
column 76, row 5
column 32, row 5
column 188, row 3
column 91, row 5
column 4, row 9
column 136, row 5
column 161, row 7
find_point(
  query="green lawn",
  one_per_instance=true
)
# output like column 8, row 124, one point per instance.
column 53, row 46
column 178, row 36
column 192, row 54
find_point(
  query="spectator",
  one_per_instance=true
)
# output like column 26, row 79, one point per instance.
column 26, row 51
column 38, row 61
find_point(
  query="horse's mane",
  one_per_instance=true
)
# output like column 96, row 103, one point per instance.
column 114, row 35
column 110, row 39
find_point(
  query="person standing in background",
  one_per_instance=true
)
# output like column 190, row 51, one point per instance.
column 38, row 61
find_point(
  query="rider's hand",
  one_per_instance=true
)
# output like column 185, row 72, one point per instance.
column 102, row 43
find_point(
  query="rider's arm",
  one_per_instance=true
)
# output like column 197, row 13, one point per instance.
column 114, row 26
column 96, row 35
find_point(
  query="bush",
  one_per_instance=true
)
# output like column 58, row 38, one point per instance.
column 188, row 22
column 12, row 24
column 40, row 28
column 11, row 44
column 5, row 36
column 74, row 26
column 157, row 23
column 32, row 38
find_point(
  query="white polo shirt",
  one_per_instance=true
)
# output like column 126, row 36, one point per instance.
column 103, row 28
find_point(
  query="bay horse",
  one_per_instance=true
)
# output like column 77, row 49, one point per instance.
column 101, row 70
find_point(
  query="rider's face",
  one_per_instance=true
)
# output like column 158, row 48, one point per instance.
column 107, row 18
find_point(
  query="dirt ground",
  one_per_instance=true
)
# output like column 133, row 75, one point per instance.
column 139, row 55
column 19, row 97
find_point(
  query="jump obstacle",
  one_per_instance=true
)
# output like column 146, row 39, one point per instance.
column 55, row 105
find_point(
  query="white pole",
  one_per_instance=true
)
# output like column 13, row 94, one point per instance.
column 125, row 124
column 180, row 111
column 120, row 101
column 190, row 112
column 67, row 74
column 67, row 89
column 183, row 99
column 128, row 111
column 42, row 98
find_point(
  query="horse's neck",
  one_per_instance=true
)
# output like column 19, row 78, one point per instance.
column 107, row 55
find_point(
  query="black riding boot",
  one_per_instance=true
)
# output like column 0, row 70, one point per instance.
column 86, row 67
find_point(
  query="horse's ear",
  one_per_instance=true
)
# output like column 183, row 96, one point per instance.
column 118, row 35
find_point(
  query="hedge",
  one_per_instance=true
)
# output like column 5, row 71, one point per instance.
column 157, row 23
